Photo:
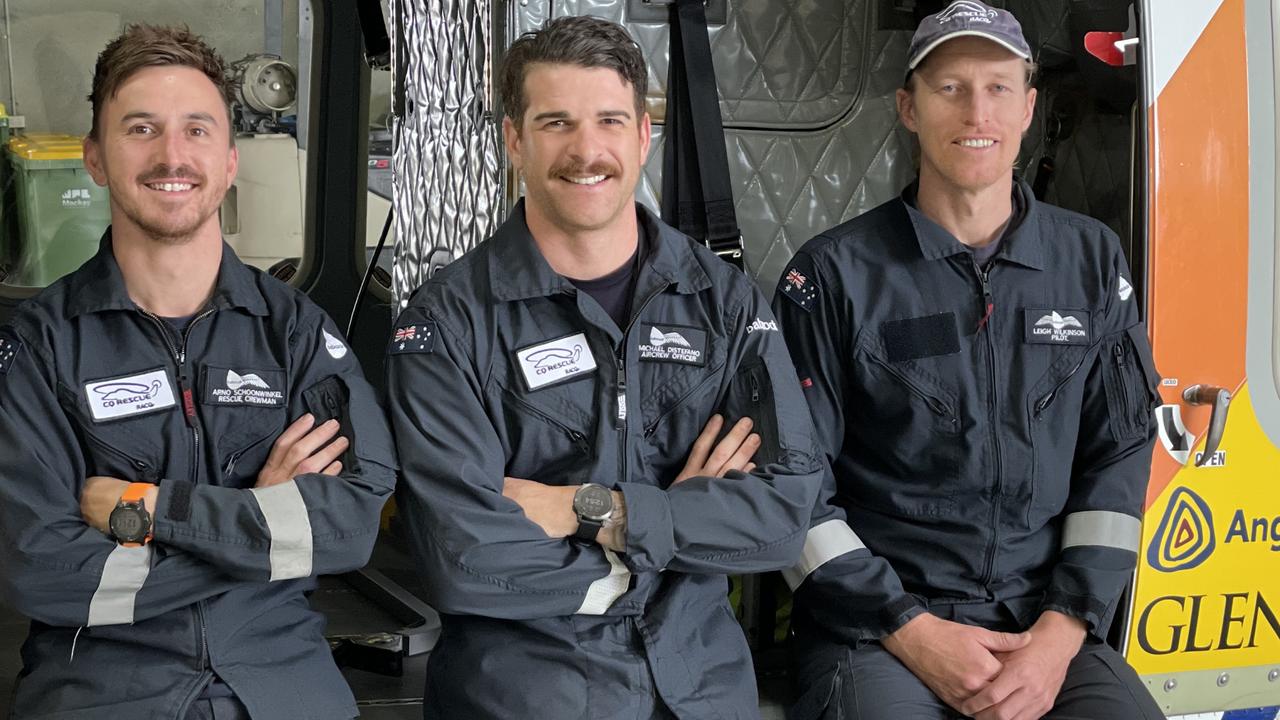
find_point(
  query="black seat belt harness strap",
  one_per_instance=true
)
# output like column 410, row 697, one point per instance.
column 696, row 194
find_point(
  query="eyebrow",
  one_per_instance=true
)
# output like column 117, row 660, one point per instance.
column 562, row 115
column 143, row 115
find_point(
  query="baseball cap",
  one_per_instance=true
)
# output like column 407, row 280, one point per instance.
column 967, row 17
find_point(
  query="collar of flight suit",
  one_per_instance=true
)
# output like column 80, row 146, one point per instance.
column 518, row 271
column 1021, row 244
column 99, row 285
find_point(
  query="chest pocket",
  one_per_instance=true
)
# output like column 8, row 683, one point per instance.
column 1053, row 406
column 902, row 433
column 545, row 431
column 676, row 401
column 123, row 448
column 242, row 409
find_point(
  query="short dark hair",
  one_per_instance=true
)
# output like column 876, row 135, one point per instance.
column 585, row 41
column 142, row 46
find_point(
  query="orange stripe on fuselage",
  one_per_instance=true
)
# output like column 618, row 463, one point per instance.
column 1199, row 220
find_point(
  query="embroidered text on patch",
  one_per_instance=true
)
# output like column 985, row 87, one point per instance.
column 672, row 343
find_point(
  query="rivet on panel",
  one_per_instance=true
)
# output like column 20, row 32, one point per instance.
column 1170, row 685
column 1273, row 675
column 1223, row 679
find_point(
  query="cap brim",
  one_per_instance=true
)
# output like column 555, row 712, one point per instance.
column 962, row 33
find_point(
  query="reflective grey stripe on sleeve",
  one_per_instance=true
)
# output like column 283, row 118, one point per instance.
column 824, row 542
column 123, row 574
column 290, row 530
column 604, row 592
column 1102, row 528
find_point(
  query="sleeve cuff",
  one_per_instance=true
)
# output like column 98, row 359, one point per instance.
column 651, row 541
column 1095, row 615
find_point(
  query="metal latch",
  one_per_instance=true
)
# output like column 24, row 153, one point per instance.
column 658, row 11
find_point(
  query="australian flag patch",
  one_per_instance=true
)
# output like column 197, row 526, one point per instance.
column 9, row 347
column 417, row 338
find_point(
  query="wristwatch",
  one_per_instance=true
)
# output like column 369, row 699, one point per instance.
column 130, row 522
column 593, row 504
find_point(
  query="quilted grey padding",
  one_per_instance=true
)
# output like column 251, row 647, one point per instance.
column 778, row 64
column 790, row 186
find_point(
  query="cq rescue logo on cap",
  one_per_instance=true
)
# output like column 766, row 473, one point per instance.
column 1185, row 537
column 970, row 11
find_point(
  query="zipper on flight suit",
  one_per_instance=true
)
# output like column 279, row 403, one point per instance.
column 189, row 414
column 620, row 407
column 988, row 306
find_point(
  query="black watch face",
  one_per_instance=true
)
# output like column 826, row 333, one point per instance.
column 593, row 502
column 129, row 524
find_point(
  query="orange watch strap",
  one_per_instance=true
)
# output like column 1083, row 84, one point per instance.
column 135, row 492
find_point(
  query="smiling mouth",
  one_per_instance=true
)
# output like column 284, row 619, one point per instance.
column 171, row 187
column 976, row 143
column 589, row 180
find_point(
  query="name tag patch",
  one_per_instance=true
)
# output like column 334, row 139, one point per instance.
column 1055, row 326
column 673, row 343
column 244, row 387
column 139, row 394
column 556, row 361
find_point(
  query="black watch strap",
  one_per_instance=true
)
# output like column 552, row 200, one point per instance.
column 587, row 529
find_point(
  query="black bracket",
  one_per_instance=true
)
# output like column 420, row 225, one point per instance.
column 657, row 11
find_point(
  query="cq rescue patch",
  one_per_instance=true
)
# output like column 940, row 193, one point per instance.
column 128, row 395
column 556, row 361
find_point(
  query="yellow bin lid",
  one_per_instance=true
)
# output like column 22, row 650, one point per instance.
column 46, row 146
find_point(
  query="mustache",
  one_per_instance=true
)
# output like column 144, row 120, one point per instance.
column 166, row 172
column 599, row 167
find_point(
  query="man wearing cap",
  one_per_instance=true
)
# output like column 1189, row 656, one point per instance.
column 982, row 385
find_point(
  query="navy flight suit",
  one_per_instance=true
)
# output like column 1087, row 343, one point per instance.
column 92, row 385
column 990, row 434
column 500, row 367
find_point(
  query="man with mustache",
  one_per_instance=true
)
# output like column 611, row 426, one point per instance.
column 575, row 544
column 982, row 385
column 163, row 542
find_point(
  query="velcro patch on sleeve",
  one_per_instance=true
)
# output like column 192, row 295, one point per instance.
column 921, row 337
column 419, row 337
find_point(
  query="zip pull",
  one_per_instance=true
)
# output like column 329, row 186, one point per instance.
column 987, row 301
column 755, row 389
column 188, row 401
column 620, row 418
column 1119, row 355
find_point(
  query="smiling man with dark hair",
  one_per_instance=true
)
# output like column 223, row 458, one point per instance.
column 164, row 519
column 573, row 512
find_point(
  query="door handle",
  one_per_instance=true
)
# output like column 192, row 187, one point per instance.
column 1220, row 399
